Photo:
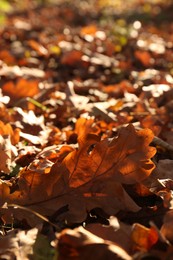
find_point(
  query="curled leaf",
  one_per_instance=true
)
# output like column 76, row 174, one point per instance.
column 144, row 238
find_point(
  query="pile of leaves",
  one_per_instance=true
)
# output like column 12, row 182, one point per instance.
column 86, row 132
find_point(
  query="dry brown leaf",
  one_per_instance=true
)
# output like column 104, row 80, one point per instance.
column 166, row 229
column 72, row 58
column 82, row 244
column 116, row 232
column 88, row 177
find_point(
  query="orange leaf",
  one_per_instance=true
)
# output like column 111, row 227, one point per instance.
column 40, row 49
column 144, row 238
column 23, row 88
column 7, row 57
column 6, row 129
column 126, row 158
column 90, row 29
column 85, row 126
column 144, row 57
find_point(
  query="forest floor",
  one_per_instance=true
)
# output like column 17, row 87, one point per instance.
column 86, row 130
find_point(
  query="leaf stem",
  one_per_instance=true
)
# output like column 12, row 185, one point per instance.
column 33, row 212
column 36, row 103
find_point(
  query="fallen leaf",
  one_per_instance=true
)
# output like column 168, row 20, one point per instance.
column 82, row 244
column 88, row 177
column 7, row 57
column 7, row 153
column 21, row 71
column 72, row 58
column 126, row 158
column 22, row 89
column 143, row 238
column 6, row 129
column 85, row 126
column 144, row 57
column 116, row 232
column 40, row 49
column 18, row 244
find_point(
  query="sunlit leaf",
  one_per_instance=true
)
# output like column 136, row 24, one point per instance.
column 93, row 174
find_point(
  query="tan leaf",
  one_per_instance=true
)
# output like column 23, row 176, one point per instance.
column 116, row 232
column 18, row 244
column 6, row 153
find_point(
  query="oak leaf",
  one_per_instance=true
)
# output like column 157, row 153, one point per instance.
column 88, row 177
column 85, row 126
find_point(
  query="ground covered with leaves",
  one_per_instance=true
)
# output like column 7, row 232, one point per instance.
column 86, row 131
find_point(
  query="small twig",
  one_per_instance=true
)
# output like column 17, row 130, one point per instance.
column 33, row 212
column 156, row 140
column 161, row 143
column 36, row 103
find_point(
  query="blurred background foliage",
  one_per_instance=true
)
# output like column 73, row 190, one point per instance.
column 111, row 6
